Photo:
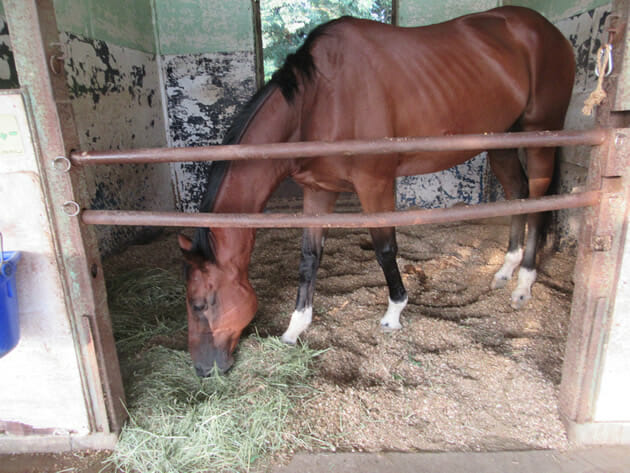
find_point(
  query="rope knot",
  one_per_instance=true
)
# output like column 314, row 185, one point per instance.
column 603, row 68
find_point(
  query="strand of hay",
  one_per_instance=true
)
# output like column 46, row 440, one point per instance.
column 144, row 304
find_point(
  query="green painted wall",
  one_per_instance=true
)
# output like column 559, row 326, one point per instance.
column 559, row 9
column 204, row 26
column 127, row 23
column 426, row 12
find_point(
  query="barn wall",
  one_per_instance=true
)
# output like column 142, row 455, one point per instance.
column 112, row 74
column 8, row 74
column 586, row 31
column 208, row 66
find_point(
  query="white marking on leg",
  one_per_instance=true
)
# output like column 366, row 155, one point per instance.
column 300, row 320
column 510, row 263
column 523, row 291
column 391, row 319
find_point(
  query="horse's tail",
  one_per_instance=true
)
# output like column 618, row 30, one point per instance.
column 550, row 227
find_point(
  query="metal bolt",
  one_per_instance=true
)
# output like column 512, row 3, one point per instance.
column 602, row 242
column 620, row 139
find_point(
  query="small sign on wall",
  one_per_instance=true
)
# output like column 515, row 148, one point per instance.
column 10, row 139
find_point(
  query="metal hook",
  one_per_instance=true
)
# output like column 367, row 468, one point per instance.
column 57, row 57
column 71, row 208
column 609, row 67
column 61, row 163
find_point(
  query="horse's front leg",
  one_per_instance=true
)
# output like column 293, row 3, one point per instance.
column 312, row 251
column 384, row 240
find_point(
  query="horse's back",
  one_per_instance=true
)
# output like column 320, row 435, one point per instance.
column 485, row 72
column 474, row 65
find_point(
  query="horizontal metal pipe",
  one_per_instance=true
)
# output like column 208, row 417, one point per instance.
column 341, row 220
column 310, row 149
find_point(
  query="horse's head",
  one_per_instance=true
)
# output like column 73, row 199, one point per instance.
column 220, row 303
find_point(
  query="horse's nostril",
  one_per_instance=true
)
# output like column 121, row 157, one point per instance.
column 201, row 372
column 199, row 306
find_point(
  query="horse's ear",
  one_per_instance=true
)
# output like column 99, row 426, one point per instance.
column 185, row 243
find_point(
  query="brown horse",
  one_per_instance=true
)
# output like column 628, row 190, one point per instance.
column 505, row 69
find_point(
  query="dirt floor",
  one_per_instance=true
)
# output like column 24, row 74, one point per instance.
column 465, row 373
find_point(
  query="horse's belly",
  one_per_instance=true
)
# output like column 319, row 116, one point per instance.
column 425, row 163
column 327, row 173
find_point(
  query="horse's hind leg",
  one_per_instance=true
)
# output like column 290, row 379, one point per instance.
column 312, row 251
column 540, row 167
column 509, row 171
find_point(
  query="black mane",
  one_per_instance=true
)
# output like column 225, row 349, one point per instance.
column 298, row 64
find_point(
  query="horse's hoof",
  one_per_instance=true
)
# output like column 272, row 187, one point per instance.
column 288, row 340
column 499, row 282
column 390, row 326
column 519, row 301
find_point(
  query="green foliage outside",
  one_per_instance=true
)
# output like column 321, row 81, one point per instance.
column 286, row 23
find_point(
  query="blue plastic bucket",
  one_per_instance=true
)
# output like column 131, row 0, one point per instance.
column 9, row 323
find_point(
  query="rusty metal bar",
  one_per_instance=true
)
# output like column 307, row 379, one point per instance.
column 341, row 220
column 309, row 149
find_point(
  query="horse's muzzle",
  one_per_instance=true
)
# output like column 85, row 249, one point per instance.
column 222, row 364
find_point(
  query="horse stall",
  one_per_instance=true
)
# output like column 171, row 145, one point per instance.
column 111, row 113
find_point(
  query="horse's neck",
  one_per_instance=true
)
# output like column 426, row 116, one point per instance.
column 247, row 185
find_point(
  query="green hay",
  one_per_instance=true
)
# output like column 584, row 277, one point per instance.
column 181, row 423
column 145, row 303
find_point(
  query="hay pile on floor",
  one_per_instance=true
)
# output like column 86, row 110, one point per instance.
column 181, row 423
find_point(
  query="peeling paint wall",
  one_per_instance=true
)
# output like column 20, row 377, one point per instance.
column 586, row 31
column 8, row 74
column 208, row 67
column 113, row 79
column 203, row 91
column 122, row 22
column 204, row 26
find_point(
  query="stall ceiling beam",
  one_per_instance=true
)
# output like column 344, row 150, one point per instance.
column 310, row 149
